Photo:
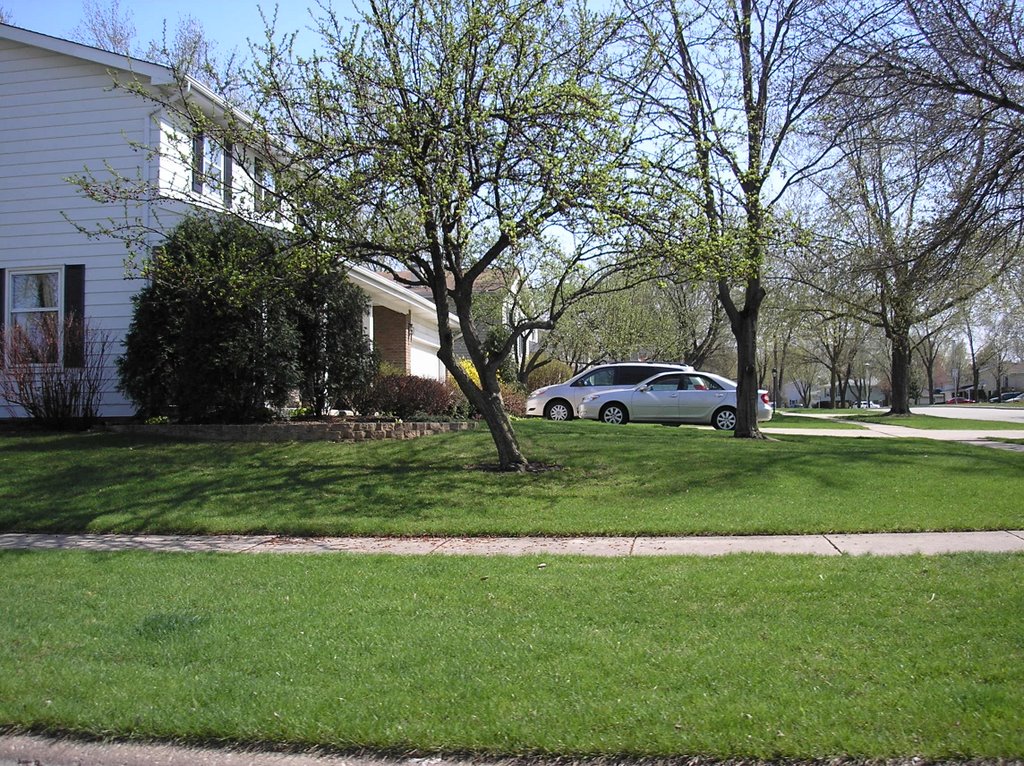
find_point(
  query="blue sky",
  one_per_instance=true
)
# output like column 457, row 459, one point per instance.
column 228, row 22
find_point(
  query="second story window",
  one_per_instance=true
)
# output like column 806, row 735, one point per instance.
column 265, row 191
column 211, row 169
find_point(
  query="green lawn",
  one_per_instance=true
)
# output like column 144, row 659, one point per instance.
column 633, row 480
column 793, row 657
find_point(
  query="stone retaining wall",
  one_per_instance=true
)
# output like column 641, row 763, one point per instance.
column 340, row 431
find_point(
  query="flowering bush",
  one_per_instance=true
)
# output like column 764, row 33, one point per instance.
column 549, row 374
column 514, row 399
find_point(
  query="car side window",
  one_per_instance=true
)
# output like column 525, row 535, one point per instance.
column 665, row 383
column 699, row 383
column 600, row 377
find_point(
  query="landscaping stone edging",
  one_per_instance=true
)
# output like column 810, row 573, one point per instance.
column 340, row 431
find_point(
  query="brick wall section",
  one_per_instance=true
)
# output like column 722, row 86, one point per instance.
column 300, row 432
column 391, row 337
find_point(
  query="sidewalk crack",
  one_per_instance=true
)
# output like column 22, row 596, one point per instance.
column 829, row 541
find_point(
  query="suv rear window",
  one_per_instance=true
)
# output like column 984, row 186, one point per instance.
column 630, row 375
column 602, row 376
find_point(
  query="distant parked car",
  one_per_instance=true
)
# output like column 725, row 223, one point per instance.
column 1017, row 398
column 559, row 402
column 959, row 400
column 867, row 405
column 672, row 397
column 1006, row 396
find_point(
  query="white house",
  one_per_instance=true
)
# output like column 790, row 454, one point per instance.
column 59, row 114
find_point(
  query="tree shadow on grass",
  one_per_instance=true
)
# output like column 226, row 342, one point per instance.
column 638, row 479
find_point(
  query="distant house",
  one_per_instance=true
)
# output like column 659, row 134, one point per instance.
column 1007, row 377
column 60, row 114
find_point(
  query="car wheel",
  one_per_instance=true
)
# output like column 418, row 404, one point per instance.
column 724, row 419
column 559, row 409
column 615, row 414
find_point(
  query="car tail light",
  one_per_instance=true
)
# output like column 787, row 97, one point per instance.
column 765, row 399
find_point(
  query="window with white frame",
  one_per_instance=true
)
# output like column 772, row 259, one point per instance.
column 42, row 315
column 265, row 190
column 211, row 169
column 213, row 166
column 34, row 309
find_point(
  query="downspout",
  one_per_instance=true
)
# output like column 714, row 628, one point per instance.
column 152, row 169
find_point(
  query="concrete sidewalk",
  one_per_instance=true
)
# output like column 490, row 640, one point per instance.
column 36, row 750
column 979, row 437
column 877, row 544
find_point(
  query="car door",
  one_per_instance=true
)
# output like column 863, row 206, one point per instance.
column 699, row 397
column 658, row 399
column 595, row 380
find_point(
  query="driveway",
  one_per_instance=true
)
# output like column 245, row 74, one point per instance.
column 972, row 412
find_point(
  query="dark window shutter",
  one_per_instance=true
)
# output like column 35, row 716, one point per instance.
column 228, row 169
column 258, row 192
column 197, row 163
column 74, row 316
column 3, row 313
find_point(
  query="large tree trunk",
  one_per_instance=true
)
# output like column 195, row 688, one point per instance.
column 488, row 402
column 491, row 406
column 744, row 328
column 486, row 398
column 901, row 350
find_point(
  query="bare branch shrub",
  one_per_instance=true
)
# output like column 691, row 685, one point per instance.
column 48, row 377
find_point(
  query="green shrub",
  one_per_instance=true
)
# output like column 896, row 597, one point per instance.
column 211, row 334
column 335, row 358
column 233, row 320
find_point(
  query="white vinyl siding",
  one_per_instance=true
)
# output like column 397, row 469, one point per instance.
column 59, row 115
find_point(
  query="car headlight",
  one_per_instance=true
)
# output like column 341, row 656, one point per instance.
column 589, row 398
column 539, row 391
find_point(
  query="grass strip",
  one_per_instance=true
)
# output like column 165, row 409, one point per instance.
column 638, row 479
column 793, row 657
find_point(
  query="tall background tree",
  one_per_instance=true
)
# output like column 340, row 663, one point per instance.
column 736, row 81
column 892, row 203
column 183, row 45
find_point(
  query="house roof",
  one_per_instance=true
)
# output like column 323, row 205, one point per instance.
column 490, row 281
column 145, row 72
column 382, row 285
column 157, row 74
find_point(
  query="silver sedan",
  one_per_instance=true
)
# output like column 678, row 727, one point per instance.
column 674, row 397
